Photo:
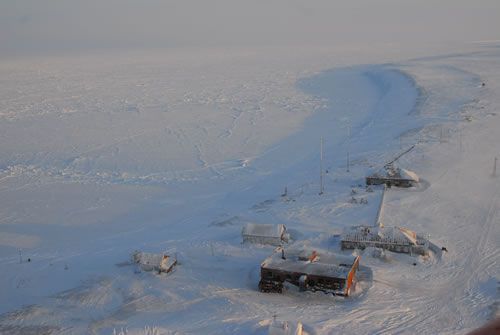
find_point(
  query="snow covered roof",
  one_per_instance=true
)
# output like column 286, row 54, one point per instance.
column 312, row 262
column 264, row 230
column 397, row 235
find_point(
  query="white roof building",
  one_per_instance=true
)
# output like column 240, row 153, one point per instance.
column 273, row 234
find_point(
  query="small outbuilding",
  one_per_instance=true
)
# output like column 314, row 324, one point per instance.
column 154, row 262
column 272, row 234
column 391, row 175
column 396, row 239
column 309, row 269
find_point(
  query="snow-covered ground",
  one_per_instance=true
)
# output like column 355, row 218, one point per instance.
column 175, row 151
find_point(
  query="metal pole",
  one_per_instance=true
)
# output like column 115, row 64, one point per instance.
column 321, row 167
column 495, row 167
column 460, row 140
column 347, row 161
column 348, row 146
column 378, row 220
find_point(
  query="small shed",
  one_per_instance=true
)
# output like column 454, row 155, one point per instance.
column 396, row 239
column 154, row 262
column 272, row 234
column 285, row 328
column 309, row 269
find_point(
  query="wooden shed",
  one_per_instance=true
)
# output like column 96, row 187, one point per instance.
column 272, row 234
column 309, row 269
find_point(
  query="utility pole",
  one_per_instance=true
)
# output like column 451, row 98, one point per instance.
column 460, row 137
column 495, row 167
column 321, row 168
column 378, row 221
column 348, row 145
column 347, row 160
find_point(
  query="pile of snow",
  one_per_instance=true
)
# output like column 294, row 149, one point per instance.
column 410, row 175
column 154, row 262
column 285, row 328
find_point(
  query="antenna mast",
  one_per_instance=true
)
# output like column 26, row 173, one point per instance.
column 348, row 143
column 321, row 189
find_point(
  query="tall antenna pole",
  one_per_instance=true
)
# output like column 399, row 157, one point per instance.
column 348, row 143
column 460, row 138
column 348, row 160
column 378, row 221
column 321, row 167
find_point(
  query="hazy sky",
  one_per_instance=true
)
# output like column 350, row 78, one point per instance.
column 30, row 26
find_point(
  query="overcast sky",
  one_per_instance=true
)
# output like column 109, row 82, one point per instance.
column 30, row 26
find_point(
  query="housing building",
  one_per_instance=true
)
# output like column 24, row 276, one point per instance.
column 309, row 269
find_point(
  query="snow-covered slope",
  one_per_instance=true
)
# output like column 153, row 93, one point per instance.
column 100, row 157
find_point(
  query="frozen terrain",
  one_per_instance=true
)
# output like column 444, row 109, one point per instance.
column 103, row 155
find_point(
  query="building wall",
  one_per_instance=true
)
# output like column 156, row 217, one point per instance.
column 350, row 276
column 314, row 282
column 262, row 240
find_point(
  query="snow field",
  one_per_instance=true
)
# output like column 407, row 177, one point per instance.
column 96, row 164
